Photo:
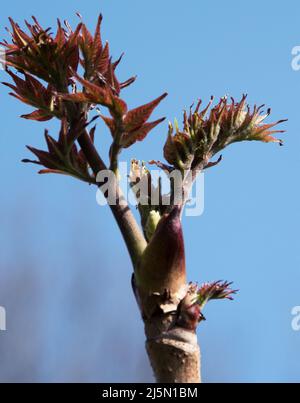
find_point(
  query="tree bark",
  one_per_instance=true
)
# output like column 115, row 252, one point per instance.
column 167, row 304
column 174, row 353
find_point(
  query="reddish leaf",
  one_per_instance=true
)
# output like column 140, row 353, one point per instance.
column 117, row 62
column 72, row 40
column 62, row 138
column 53, row 146
column 161, row 165
column 20, row 38
column 32, row 92
column 139, row 135
column 44, row 158
column 87, row 37
column 71, row 59
column 138, row 116
column 38, row 115
column 22, row 99
column 214, row 163
column 97, row 41
column 101, row 64
column 60, row 38
column 112, row 80
column 128, row 82
column 52, row 171
column 119, row 107
column 215, row 290
column 77, row 97
column 98, row 94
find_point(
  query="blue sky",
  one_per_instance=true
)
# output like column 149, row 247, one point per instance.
column 64, row 271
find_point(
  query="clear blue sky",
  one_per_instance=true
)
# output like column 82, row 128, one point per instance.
column 64, row 271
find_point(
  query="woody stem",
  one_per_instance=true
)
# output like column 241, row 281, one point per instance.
column 129, row 228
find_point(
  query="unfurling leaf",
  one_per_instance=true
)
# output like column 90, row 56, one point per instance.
column 62, row 155
column 204, row 136
column 190, row 312
column 32, row 92
column 42, row 55
column 215, row 290
column 93, row 93
column 130, row 127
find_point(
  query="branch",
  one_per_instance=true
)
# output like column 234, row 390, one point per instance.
column 129, row 228
column 116, row 146
column 131, row 232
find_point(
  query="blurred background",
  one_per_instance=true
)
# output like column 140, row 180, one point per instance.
column 64, row 270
